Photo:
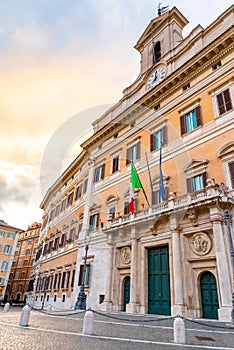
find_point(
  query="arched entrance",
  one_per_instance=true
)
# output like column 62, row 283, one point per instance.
column 126, row 292
column 209, row 295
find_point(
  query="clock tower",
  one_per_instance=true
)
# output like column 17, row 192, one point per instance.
column 157, row 43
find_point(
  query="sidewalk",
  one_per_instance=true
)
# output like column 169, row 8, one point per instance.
column 111, row 331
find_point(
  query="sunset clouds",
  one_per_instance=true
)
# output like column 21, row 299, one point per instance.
column 59, row 58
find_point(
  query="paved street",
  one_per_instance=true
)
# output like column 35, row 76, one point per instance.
column 111, row 332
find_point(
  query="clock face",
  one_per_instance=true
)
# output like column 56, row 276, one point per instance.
column 156, row 77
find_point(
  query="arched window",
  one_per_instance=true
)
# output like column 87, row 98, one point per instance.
column 157, row 52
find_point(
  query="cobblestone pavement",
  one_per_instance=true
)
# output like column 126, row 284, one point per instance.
column 111, row 332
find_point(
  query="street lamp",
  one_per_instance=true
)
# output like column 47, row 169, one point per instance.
column 81, row 299
column 225, row 202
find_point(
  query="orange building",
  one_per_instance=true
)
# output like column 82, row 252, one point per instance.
column 24, row 257
column 175, row 123
column 8, row 240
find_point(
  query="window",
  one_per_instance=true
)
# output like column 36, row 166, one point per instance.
column 157, row 52
column 2, row 233
column 13, row 264
column 16, row 253
column 78, row 192
column 133, row 153
column 99, row 173
column 63, row 240
column 73, row 278
column 231, row 170
column 4, row 265
column 191, row 120
column 22, row 275
column 11, row 235
column 112, row 213
column 27, row 251
column 56, row 243
column 158, row 139
column 85, row 185
column 63, row 205
column 115, row 164
column 94, row 221
column 126, row 207
column 29, row 242
column 18, row 245
column 35, row 251
column 32, row 262
column 57, row 210
column 0, row 246
column 156, row 197
column 70, row 199
column 86, row 277
column 7, row 249
column 224, row 101
column 72, row 234
column 196, row 183
column 20, row 287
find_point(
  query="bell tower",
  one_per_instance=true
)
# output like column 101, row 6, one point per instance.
column 161, row 36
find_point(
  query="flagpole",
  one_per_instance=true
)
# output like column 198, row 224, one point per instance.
column 151, row 183
column 141, row 185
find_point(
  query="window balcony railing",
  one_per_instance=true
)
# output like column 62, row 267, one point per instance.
column 173, row 203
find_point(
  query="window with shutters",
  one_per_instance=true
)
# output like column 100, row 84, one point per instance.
column 94, row 221
column 226, row 153
column 99, row 173
column 196, row 183
column 7, row 249
column 85, row 185
column 63, row 205
column 126, row 206
column 86, row 276
column 191, row 120
column 196, row 174
column 78, row 192
column 115, row 164
column 70, row 199
column 133, row 153
column 156, row 196
column 224, row 101
column 158, row 138
column 231, row 170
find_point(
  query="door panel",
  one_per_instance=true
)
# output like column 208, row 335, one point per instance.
column 159, row 281
column 209, row 296
column 126, row 295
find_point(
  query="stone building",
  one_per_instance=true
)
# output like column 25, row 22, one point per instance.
column 8, row 240
column 18, row 286
column 175, row 123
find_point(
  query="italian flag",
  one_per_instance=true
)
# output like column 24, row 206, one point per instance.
column 134, row 183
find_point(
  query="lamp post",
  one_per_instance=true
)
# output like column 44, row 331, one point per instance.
column 225, row 203
column 81, row 299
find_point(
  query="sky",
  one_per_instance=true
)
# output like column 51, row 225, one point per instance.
column 62, row 64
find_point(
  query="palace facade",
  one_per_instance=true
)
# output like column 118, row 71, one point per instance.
column 8, row 240
column 172, row 255
column 18, row 286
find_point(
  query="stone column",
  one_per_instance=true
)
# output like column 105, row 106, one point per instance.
column 85, row 227
column 178, row 307
column 133, row 305
column 107, row 304
column 224, row 281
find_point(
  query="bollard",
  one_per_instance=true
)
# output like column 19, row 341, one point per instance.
column 25, row 314
column 6, row 307
column 88, row 323
column 179, row 331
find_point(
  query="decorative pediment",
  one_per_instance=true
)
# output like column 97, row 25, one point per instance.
column 194, row 164
column 157, row 24
column 226, row 149
column 111, row 199
column 95, row 207
column 156, row 179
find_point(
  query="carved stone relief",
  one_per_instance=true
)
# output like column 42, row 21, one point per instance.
column 200, row 243
column 125, row 255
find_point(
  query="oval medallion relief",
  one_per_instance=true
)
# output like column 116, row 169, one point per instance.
column 200, row 243
column 125, row 255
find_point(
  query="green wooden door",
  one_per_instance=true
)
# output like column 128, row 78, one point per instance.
column 209, row 296
column 126, row 295
column 159, row 299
